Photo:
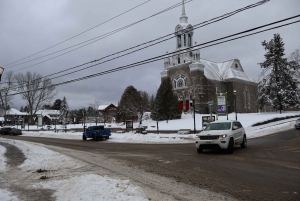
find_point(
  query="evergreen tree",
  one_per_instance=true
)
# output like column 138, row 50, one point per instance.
column 25, row 109
column 132, row 103
column 278, row 88
column 64, row 109
column 56, row 104
column 166, row 102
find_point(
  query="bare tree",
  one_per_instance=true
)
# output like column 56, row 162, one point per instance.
column 295, row 58
column 35, row 90
column 6, row 88
column 95, row 106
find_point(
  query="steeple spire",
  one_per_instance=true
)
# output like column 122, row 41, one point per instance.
column 183, row 8
column 183, row 18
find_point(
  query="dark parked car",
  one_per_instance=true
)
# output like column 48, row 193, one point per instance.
column 10, row 131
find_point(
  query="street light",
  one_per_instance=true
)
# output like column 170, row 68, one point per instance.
column 234, row 93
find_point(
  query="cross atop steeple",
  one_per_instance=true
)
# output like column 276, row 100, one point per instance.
column 183, row 18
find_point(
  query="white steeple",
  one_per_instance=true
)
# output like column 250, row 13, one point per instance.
column 183, row 18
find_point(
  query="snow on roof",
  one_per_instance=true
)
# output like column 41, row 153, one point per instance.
column 13, row 111
column 48, row 112
column 103, row 107
column 222, row 71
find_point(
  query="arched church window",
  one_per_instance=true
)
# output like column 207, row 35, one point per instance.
column 189, row 40
column 179, row 41
column 180, row 81
column 178, row 60
column 184, row 39
column 247, row 102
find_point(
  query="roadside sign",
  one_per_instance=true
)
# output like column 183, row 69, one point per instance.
column 222, row 104
column 129, row 124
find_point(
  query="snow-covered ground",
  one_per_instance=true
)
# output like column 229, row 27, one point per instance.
column 117, row 189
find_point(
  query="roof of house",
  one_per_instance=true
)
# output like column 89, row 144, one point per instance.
column 48, row 112
column 13, row 111
column 103, row 107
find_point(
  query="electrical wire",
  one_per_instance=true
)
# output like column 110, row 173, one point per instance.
column 199, row 25
column 80, row 33
column 153, row 59
column 93, row 40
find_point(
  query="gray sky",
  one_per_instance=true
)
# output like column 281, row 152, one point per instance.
column 29, row 26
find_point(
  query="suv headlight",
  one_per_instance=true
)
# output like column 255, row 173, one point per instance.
column 197, row 136
column 223, row 136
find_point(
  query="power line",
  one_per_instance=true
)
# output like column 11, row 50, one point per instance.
column 143, row 62
column 80, row 33
column 93, row 40
column 120, row 29
column 199, row 25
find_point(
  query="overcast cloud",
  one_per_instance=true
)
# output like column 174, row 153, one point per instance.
column 29, row 26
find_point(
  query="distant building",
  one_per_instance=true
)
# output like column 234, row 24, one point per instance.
column 15, row 117
column 193, row 76
column 49, row 116
column 109, row 112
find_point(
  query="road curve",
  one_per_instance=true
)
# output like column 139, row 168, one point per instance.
column 269, row 169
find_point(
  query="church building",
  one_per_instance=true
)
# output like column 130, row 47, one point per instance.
column 200, row 79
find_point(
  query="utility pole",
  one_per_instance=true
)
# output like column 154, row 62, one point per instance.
column 194, row 107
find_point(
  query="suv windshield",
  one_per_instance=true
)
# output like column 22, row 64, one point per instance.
column 218, row 126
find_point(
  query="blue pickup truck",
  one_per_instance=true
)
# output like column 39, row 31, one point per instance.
column 96, row 132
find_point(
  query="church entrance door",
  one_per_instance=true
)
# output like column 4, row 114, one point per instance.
column 181, row 105
column 187, row 105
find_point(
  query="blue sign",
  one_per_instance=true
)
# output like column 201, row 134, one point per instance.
column 222, row 109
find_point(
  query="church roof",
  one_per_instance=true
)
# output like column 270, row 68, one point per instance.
column 222, row 71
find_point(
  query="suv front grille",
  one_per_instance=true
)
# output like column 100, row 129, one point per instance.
column 209, row 137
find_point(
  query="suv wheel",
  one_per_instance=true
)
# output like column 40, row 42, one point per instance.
column 94, row 137
column 84, row 137
column 244, row 143
column 199, row 150
column 230, row 146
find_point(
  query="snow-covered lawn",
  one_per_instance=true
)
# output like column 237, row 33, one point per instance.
column 186, row 122
column 116, row 189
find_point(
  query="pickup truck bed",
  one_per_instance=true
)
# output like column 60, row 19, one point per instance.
column 96, row 132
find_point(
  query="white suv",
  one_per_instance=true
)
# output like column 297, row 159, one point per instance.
column 221, row 134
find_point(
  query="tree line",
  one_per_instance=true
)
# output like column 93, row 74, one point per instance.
column 279, row 87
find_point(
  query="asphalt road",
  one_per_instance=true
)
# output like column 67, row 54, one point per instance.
column 268, row 169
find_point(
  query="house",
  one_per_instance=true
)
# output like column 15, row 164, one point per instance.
column 109, row 112
column 49, row 116
column 15, row 117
